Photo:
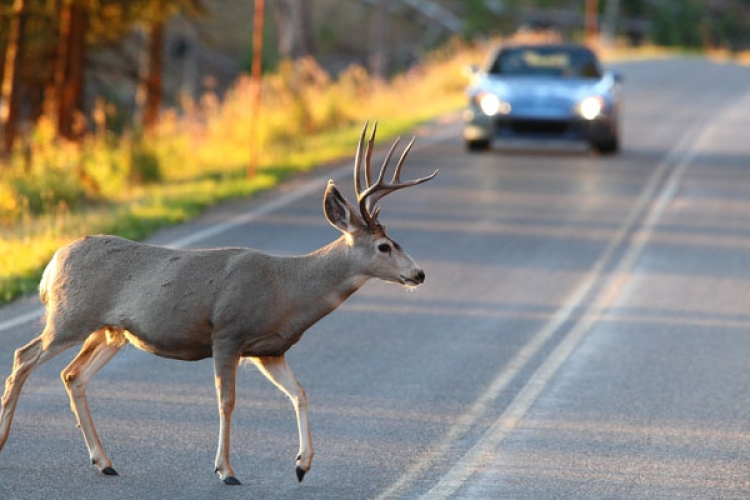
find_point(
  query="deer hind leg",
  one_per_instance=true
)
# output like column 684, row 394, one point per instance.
column 276, row 369
column 27, row 358
column 98, row 349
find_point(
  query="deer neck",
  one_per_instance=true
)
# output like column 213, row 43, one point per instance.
column 330, row 275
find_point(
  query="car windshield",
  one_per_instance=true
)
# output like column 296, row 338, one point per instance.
column 560, row 62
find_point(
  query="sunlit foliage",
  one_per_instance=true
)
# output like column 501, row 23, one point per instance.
column 54, row 191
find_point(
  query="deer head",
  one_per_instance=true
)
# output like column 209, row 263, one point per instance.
column 381, row 257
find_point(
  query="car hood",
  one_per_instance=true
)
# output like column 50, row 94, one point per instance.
column 552, row 90
column 544, row 98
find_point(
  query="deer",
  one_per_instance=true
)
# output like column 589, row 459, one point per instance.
column 229, row 304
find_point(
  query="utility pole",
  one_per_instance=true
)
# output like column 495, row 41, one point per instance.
column 255, row 78
column 591, row 21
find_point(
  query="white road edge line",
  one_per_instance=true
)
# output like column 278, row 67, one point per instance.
column 535, row 344
column 482, row 452
column 284, row 200
column 21, row 319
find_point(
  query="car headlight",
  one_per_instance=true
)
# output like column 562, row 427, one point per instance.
column 490, row 104
column 591, row 107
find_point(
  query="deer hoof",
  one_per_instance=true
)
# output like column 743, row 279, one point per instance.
column 300, row 473
column 232, row 481
column 109, row 471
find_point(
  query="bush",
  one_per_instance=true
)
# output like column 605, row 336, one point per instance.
column 49, row 190
column 10, row 204
column 144, row 165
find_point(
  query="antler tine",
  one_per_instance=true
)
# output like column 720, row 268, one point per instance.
column 370, row 145
column 386, row 161
column 397, row 172
column 358, row 160
column 368, row 198
column 396, row 183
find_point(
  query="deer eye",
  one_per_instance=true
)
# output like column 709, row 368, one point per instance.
column 384, row 248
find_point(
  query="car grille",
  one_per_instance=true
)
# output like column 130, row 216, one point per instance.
column 539, row 128
column 521, row 126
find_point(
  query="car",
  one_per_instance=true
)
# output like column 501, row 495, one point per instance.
column 549, row 91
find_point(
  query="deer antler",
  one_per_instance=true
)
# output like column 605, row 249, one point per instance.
column 373, row 193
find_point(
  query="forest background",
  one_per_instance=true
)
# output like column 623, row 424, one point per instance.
column 122, row 116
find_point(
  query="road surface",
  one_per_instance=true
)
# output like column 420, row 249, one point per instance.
column 583, row 332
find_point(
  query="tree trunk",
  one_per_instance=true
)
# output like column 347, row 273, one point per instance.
column 306, row 35
column 10, row 92
column 378, row 58
column 294, row 28
column 69, row 71
column 153, row 78
column 4, row 39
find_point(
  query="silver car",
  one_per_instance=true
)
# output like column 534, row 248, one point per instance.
column 543, row 92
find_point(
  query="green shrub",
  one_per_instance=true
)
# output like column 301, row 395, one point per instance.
column 11, row 206
column 144, row 164
column 49, row 189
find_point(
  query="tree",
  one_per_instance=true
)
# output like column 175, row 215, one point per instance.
column 44, row 56
column 70, row 64
column 10, row 94
column 155, row 15
column 154, row 76
column 4, row 28
column 378, row 57
column 294, row 28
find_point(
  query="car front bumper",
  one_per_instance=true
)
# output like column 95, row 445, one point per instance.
column 481, row 127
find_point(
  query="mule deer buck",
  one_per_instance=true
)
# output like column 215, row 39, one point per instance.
column 228, row 304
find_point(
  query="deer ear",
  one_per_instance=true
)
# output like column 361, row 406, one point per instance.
column 339, row 212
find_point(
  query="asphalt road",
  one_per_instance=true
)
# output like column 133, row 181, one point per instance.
column 582, row 333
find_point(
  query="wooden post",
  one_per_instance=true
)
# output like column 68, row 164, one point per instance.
column 591, row 21
column 255, row 78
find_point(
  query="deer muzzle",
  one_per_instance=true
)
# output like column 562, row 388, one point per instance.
column 416, row 279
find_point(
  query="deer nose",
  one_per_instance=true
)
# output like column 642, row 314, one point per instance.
column 420, row 277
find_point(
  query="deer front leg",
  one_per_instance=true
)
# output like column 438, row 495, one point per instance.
column 276, row 369
column 225, row 372
column 98, row 349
